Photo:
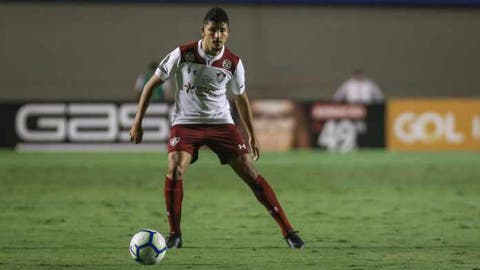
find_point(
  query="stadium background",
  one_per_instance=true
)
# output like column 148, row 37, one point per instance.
column 84, row 51
column 67, row 69
column 90, row 52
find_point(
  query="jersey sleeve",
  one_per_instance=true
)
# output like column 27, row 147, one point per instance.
column 169, row 64
column 237, row 83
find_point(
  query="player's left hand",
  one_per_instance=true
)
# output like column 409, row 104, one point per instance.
column 254, row 151
column 136, row 134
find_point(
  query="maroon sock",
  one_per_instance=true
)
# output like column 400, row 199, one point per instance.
column 173, row 200
column 266, row 196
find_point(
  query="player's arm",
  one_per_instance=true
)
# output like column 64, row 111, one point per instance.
column 245, row 111
column 166, row 67
column 136, row 132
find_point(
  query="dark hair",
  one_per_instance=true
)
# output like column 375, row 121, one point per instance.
column 216, row 15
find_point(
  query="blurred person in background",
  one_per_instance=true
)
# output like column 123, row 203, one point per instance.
column 359, row 90
column 160, row 92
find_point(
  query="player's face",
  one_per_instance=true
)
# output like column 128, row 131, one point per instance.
column 214, row 35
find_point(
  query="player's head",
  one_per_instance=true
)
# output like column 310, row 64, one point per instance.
column 215, row 29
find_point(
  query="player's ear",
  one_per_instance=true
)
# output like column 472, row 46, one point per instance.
column 202, row 32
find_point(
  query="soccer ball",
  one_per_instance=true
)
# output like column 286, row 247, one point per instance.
column 147, row 247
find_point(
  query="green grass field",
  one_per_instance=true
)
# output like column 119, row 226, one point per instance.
column 364, row 210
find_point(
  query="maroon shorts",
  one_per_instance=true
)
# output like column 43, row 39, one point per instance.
column 224, row 139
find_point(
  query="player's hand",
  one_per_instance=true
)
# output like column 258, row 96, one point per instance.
column 254, row 151
column 136, row 134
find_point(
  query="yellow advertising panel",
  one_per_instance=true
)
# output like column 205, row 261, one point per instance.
column 433, row 124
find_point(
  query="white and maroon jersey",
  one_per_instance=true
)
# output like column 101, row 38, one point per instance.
column 202, row 82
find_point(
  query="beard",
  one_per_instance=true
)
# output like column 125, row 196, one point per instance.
column 216, row 47
column 217, row 44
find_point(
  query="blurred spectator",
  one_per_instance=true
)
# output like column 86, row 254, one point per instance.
column 359, row 90
column 160, row 92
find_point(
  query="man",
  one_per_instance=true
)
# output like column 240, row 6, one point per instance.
column 204, row 71
column 359, row 90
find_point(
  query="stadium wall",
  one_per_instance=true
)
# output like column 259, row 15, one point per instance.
column 53, row 51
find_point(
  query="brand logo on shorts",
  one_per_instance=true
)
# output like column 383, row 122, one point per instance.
column 174, row 141
column 242, row 146
column 226, row 64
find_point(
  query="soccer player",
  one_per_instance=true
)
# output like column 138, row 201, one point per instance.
column 204, row 70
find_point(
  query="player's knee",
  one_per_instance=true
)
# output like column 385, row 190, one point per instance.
column 176, row 171
column 180, row 170
column 250, row 169
column 176, row 166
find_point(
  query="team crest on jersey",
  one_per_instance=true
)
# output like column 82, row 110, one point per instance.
column 174, row 141
column 226, row 64
column 221, row 76
column 189, row 57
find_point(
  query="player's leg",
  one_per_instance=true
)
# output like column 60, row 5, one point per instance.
column 178, row 162
column 244, row 167
column 227, row 142
column 182, row 150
